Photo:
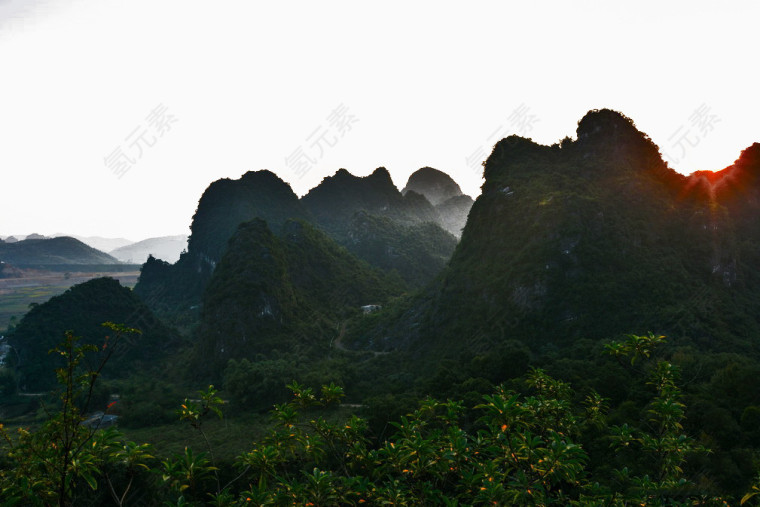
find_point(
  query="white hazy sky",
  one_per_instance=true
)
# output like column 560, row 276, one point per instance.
column 239, row 86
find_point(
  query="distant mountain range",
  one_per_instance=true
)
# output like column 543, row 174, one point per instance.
column 586, row 238
column 103, row 244
column 52, row 251
column 369, row 216
column 167, row 248
column 97, row 242
column 298, row 266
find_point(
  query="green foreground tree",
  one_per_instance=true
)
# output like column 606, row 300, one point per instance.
column 512, row 449
column 52, row 465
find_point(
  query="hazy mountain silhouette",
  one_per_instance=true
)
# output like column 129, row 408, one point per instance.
column 167, row 248
column 435, row 185
column 367, row 215
column 63, row 250
column 98, row 242
column 453, row 213
column 374, row 220
column 451, row 205
column 337, row 198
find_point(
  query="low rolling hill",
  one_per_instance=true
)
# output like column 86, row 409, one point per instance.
column 52, row 251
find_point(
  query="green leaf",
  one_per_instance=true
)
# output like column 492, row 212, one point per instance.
column 93, row 483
